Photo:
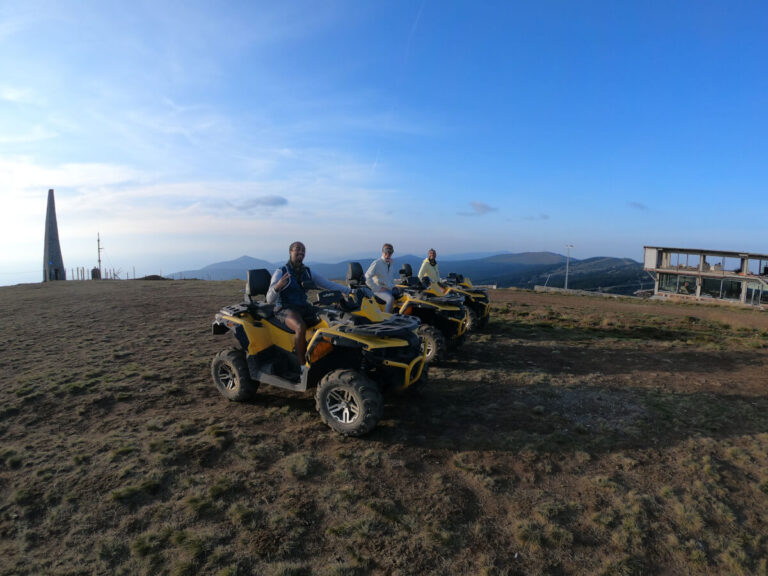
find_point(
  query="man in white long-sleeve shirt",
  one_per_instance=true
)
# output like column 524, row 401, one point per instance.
column 381, row 275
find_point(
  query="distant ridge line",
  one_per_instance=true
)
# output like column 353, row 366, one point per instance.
column 521, row 270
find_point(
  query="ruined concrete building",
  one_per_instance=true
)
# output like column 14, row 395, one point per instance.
column 740, row 277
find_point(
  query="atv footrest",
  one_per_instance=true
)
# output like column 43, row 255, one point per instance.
column 269, row 373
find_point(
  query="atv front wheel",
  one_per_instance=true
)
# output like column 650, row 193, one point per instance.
column 434, row 341
column 473, row 323
column 349, row 402
column 231, row 376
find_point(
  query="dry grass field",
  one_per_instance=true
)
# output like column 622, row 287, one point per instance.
column 575, row 435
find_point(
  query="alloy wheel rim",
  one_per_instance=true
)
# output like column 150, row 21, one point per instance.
column 342, row 405
column 227, row 377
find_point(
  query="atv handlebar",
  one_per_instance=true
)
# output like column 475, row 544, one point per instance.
column 328, row 297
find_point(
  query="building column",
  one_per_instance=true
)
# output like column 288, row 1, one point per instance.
column 744, row 274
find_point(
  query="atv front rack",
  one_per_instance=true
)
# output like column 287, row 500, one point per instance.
column 394, row 327
column 412, row 369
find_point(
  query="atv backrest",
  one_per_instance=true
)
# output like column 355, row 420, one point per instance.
column 454, row 278
column 257, row 282
column 355, row 275
column 407, row 277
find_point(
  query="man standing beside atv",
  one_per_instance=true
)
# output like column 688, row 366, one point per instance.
column 429, row 268
column 380, row 276
column 288, row 288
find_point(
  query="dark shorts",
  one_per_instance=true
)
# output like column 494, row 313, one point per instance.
column 307, row 313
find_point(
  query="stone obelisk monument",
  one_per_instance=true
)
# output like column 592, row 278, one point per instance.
column 53, row 264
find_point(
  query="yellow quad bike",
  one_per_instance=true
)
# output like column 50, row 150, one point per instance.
column 475, row 299
column 349, row 365
column 361, row 307
column 443, row 318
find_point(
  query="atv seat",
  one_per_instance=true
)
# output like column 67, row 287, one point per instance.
column 257, row 284
column 355, row 275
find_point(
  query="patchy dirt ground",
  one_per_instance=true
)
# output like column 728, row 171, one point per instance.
column 575, row 435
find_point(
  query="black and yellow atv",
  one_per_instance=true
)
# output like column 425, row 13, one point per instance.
column 349, row 364
column 361, row 307
column 443, row 318
column 475, row 299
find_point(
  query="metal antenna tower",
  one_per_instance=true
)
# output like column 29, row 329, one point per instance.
column 98, row 245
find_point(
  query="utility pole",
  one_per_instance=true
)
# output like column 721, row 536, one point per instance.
column 567, row 262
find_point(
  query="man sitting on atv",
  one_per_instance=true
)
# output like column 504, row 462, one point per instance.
column 288, row 289
column 380, row 277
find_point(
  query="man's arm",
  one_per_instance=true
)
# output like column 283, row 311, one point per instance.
column 422, row 270
column 273, row 290
column 328, row 285
column 371, row 277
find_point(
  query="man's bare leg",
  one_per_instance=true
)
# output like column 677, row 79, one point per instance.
column 296, row 323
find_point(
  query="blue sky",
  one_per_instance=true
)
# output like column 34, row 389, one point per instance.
column 187, row 133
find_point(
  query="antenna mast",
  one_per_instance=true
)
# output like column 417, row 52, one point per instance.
column 98, row 245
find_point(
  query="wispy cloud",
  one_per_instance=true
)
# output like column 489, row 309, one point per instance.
column 541, row 216
column 638, row 205
column 141, row 210
column 478, row 209
column 11, row 94
column 16, row 18
column 271, row 201
column 35, row 134
column 21, row 175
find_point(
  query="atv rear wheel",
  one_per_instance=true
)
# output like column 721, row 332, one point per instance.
column 434, row 341
column 349, row 402
column 231, row 376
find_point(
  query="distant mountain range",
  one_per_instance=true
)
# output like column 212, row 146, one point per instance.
column 523, row 270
